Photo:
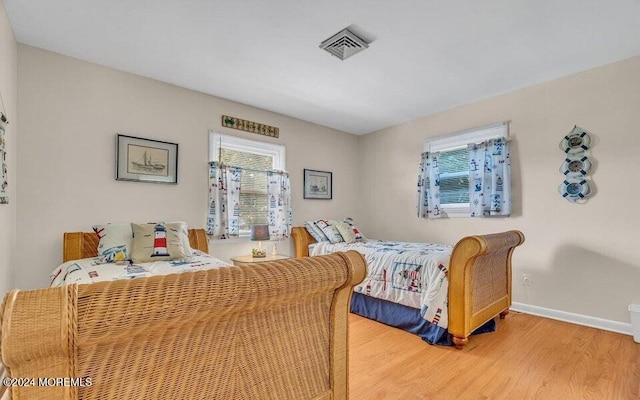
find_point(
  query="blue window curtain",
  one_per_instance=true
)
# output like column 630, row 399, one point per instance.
column 428, row 199
column 279, row 189
column 224, row 201
column 223, row 220
column 490, row 178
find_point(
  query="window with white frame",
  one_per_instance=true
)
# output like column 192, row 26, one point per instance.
column 255, row 158
column 454, row 164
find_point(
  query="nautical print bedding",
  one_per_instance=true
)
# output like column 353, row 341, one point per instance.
column 412, row 274
column 90, row 270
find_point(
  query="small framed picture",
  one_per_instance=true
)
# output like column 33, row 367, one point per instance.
column 317, row 185
column 146, row 160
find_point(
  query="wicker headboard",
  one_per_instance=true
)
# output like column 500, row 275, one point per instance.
column 301, row 240
column 79, row 245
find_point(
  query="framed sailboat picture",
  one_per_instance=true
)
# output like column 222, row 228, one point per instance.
column 146, row 160
column 318, row 185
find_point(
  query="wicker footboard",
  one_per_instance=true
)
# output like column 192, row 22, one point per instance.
column 479, row 278
column 480, row 281
column 262, row 331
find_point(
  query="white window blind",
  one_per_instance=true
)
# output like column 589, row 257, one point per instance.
column 454, row 177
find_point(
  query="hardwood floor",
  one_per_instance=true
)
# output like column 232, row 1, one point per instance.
column 526, row 358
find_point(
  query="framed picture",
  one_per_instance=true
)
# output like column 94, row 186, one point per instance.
column 146, row 160
column 317, row 185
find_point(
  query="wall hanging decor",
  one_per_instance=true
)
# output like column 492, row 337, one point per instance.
column 250, row 126
column 146, row 160
column 575, row 167
column 318, row 185
column 575, row 187
column 577, row 141
column 4, row 194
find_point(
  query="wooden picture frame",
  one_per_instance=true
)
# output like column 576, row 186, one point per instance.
column 146, row 160
column 318, row 185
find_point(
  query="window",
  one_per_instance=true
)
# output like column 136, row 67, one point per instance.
column 454, row 165
column 454, row 177
column 255, row 158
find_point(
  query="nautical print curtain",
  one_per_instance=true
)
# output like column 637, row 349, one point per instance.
column 223, row 221
column 428, row 200
column 490, row 178
column 279, row 189
column 224, row 201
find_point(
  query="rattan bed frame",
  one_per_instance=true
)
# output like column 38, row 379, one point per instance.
column 262, row 331
column 479, row 278
column 79, row 245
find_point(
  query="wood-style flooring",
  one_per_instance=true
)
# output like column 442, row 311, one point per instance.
column 526, row 358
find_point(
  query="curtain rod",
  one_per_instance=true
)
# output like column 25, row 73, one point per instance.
column 248, row 169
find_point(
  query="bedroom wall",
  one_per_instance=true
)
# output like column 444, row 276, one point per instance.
column 582, row 259
column 70, row 113
column 8, row 89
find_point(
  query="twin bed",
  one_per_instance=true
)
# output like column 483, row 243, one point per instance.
column 80, row 251
column 438, row 292
column 262, row 331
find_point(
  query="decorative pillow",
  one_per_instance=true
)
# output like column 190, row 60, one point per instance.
column 115, row 242
column 359, row 237
column 346, row 232
column 156, row 242
column 315, row 231
column 329, row 229
column 184, row 236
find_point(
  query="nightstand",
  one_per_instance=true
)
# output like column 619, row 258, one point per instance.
column 244, row 260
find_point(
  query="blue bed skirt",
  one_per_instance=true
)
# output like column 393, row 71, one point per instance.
column 406, row 318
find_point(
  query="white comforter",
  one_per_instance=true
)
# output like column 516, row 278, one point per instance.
column 88, row 270
column 412, row 274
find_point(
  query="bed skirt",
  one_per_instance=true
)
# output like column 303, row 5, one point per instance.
column 406, row 318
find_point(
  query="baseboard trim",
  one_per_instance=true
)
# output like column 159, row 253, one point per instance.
column 579, row 319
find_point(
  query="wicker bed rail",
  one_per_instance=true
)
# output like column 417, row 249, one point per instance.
column 263, row 331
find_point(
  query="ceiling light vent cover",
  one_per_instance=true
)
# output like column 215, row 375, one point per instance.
column 344, row 44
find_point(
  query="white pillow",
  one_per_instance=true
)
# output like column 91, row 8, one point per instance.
column 346, row 232
column 330, row 231
column 359, row 237
column 116, row 241
column 184, row 237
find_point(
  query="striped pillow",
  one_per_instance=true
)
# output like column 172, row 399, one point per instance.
column 330, row 231
column 315, row 232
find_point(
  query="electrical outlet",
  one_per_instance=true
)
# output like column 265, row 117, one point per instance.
column 526, row 280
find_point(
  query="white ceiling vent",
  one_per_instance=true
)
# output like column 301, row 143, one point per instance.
column 344, row 44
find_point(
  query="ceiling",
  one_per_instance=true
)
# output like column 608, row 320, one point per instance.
column 425, row 56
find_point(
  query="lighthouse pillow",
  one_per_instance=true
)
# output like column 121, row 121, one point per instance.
column 184, row 235
column 157, row 242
